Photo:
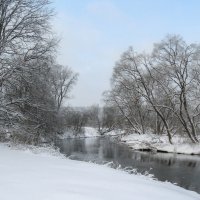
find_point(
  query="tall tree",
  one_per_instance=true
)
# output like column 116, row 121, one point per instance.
column 27, row 52
column 165, row 84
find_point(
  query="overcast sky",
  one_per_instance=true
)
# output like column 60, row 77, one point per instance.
column 94, row 33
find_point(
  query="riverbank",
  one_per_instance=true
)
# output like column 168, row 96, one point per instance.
column 86, row 133
column 157, row 143
column 40, row 173
column 89, row 132
column 143, row 142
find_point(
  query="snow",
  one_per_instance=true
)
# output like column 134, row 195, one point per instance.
column 160, row 143
column 42, row 176
column 115, row 133
column 91, row 132
column 144, row 141
column 87, row 132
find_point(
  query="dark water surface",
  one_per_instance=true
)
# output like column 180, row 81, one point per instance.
column 181, row 169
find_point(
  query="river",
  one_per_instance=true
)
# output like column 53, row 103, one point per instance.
column 184, row 170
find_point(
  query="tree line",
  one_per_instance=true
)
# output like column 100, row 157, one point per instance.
column 32, row 84
column 159, row 92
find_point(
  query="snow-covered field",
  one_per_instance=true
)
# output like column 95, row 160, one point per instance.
column 46, row 175
column 160, row 143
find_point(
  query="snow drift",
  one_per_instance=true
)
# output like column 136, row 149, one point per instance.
column 42, row 176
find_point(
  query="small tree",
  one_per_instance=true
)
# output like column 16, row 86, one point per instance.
column 63, row 79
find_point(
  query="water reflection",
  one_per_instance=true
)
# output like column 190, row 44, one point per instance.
column 181, row 169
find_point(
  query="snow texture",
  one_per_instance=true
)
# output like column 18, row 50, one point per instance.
column 91, row 132
column 160, row 143
column 88, row 132
column 41, row 176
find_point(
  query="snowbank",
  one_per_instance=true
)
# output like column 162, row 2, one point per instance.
column 28, row 176
column 87, row 132
column 115, row 133
column 91, row 132
column 155, row 143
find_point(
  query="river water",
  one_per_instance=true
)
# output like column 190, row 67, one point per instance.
column 184, row 170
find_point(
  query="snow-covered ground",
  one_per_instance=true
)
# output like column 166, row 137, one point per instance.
column 115, row 133
column 161, row 143
column 90, row 132
column 144, row 141
column 87, row 132
column 42, row 176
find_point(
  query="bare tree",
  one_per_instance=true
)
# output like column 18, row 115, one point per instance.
column 165, row 84
column 179, row 62
column 103, row 118
column 27, row 49
column 63, row 79
column 134, row 74
column 24, row 36
column 24, row 31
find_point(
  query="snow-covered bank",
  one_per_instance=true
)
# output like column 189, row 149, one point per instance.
column 90, row 132
column 28, row 176
column 155, row 143
column 87, row 132
column 144, row 142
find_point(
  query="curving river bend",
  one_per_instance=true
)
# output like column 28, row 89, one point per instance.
column 184, row 170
